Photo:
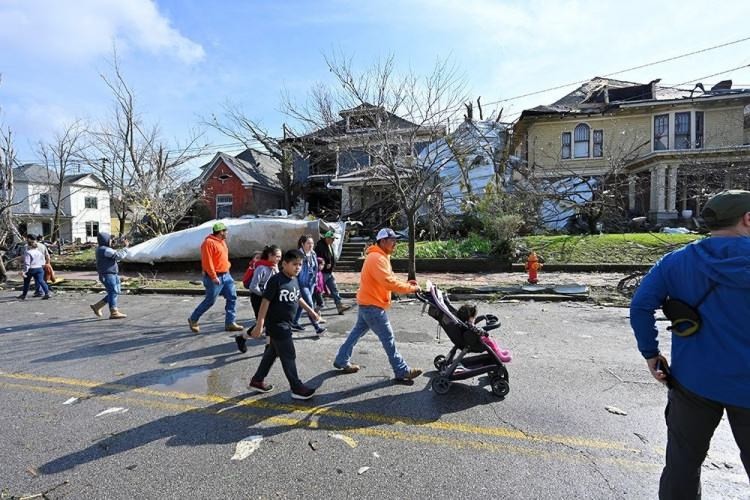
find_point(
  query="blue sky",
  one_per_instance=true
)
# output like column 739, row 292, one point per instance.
column 185, row 58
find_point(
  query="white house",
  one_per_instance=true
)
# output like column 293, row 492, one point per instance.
column 84, row 204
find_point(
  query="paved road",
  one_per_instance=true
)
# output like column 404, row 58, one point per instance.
column 184, row 407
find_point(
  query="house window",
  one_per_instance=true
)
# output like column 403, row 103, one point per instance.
column 581, row 141
column 353, row 160
column 44, row 200
column 598, row 143
column 223, row 206
column 682, row 130
column 661, row 132
column 565, row 148
column 698, row 129
column 92, row 229
column 90, row 202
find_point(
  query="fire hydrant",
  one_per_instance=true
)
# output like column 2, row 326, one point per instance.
column 532, row 267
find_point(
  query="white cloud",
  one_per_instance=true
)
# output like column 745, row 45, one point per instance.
column 81, row 30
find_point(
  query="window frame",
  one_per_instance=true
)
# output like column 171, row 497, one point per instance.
column 698, row 141
column 563, row 145
column 92, row 229
column 222, row 205
column 665, row 135
column 586, row 141
column 44, row 201
column 685, row 138
column 88, row 199
column 600, row 143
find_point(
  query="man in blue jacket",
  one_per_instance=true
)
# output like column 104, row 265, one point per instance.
column 710, row 370
column 106, row 265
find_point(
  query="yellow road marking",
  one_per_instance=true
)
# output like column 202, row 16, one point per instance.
column 306, row 422
column 377, row 418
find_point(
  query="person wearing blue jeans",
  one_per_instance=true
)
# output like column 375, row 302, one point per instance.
column 33, row 262
column 226, row 289
column 306, row 278
column 216, row 279
column 106, row 265
column 377, row 281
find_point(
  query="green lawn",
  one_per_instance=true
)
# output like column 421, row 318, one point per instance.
column 628, row 248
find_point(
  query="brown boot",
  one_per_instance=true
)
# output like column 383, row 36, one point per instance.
column 233, row 327
column 194, row 326
column 115, row 314
column 342, row 308
column 97, row 308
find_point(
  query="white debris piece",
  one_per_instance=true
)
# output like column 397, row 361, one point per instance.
column 243, row 238
column 362, row 470
column 70, row 401
column 246, row 447
column 615, row 410
column 111, row 411
column 352, row 443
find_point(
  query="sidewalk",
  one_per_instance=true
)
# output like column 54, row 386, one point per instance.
column 350, row 280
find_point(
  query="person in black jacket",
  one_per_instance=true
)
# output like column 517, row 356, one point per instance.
column 324, row 249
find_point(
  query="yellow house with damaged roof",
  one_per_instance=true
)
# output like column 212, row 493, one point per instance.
column 671, row 148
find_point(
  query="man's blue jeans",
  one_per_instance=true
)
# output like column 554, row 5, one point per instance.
column 375, row 319
column 225, row 288
column 111, row 284
column 330, row 282
column 38, row 274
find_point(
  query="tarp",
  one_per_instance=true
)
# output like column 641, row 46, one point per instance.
column 244, row 237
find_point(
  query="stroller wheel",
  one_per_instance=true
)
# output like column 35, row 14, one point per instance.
column 500, row 386
column 441, row 384
column 439, row 362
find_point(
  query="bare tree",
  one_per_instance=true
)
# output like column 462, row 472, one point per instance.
column 236, row 125
column 8, row 228
column 146, row 178
column 62, row 157
column 397, row 115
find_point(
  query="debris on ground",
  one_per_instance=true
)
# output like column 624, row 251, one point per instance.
column 352, row 443
column 111, row 411
column 246, row 447
column 362, row 470
column 615, row 410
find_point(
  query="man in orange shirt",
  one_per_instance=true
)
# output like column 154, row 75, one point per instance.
column 216, row 279
column 377, row 281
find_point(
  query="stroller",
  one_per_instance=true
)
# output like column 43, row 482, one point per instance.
column 467, row 339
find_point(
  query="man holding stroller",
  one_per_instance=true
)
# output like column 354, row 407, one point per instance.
column 377, row 281
column 324, row 250
column 710, row 371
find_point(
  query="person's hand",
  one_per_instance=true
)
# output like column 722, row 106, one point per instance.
column 661, row 374
column 23, row 274
column 217, row 280
column 125, row 242
column 255, row 333
column 315, row 316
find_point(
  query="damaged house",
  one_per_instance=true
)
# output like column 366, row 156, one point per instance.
column 651, row 150
column 339, row 167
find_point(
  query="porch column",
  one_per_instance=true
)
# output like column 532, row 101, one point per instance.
column 661, row 174
column 631, row 193
column 652, row 191
column 672, row 189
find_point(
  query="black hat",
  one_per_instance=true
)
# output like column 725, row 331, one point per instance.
column 726, row 208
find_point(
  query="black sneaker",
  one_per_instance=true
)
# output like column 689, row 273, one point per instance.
column 241, row 343
column 46, row 297
column 321, row 330
column 37, row 295
column 302, row 392
column 21, row 297
column 260, row 386
column 297, row 327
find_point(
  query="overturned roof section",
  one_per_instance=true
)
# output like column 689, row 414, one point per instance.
column 250, row 166
column 601, row 94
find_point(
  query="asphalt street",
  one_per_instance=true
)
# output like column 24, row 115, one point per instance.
column 143, row 408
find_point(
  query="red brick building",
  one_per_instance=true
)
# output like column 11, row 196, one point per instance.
column 244, row 184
